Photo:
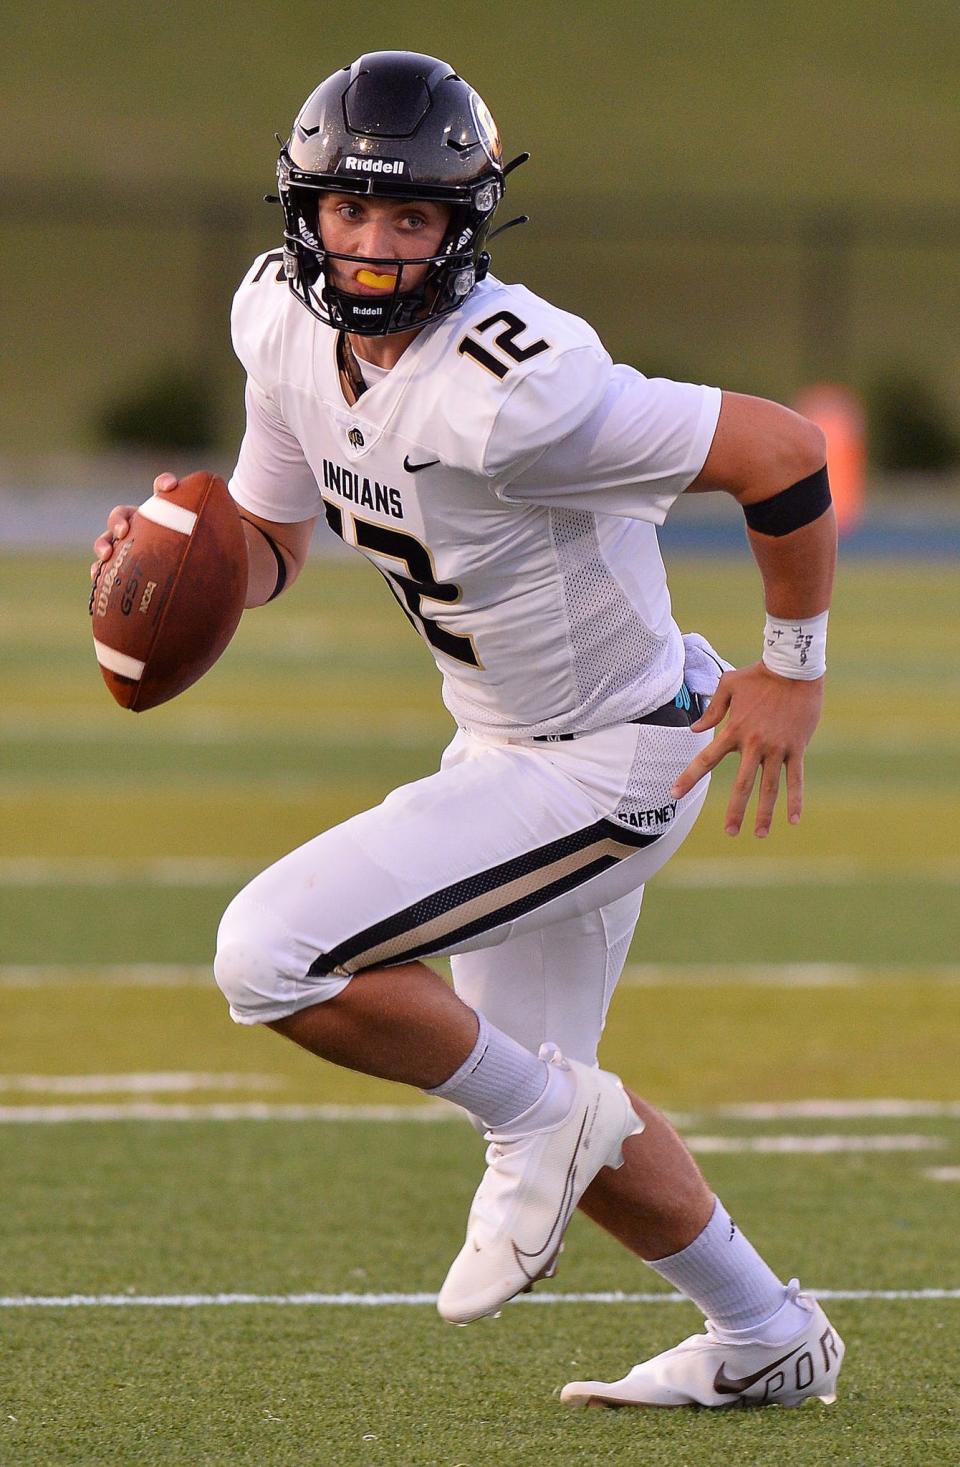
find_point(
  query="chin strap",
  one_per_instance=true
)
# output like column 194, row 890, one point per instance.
column 347, row 363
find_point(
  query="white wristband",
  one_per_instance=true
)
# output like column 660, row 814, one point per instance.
column 798, row 648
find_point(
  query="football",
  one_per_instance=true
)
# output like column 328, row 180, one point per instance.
column 167, row 602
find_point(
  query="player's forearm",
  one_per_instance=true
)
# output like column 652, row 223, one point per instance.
column 798, row 568
column 264, row 573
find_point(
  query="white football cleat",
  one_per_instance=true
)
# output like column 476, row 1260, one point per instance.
column 529, row 1191
column 703, row 1371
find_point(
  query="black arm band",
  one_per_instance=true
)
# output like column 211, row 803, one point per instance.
column 792, row 508
column 281, row 563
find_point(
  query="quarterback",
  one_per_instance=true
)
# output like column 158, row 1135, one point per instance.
column 481, row 449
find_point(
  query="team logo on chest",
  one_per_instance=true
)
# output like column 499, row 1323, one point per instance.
column 355, row 438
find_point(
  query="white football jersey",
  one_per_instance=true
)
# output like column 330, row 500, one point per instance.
column 506, row 478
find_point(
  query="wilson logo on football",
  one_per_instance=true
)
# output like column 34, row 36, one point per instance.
column 169, row 599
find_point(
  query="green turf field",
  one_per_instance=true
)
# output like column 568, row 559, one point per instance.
column 795, row 1002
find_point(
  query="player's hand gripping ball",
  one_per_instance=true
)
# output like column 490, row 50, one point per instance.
column 167, row 602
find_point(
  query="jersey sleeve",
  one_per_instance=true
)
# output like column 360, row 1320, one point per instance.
column 272, row 478
column 549, row 399
column 509, row 374
column 632, row 454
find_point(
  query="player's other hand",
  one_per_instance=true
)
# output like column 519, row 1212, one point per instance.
column 118, row 523
column 769, row 720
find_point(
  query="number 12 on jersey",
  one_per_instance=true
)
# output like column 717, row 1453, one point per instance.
column 505, row 342
column 409, row 589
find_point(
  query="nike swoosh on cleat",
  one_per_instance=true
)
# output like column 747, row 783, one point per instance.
column 724, row 1386
column 415, row 468
column 562, row 1215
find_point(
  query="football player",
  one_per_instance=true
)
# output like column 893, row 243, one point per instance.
column 479, row 447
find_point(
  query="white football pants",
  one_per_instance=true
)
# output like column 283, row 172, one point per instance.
column 524, row 860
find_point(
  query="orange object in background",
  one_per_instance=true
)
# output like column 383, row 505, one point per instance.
column 838, row 413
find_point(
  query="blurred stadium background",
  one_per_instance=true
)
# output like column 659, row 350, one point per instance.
column 761, row 195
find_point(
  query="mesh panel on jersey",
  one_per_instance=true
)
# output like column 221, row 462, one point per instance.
column 616, row 957
column 661, row 754
column 602, row 664
column 611, row 645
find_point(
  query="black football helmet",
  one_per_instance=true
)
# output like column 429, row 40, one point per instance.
column 397, row 125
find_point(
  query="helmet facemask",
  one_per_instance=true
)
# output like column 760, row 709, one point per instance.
column 452, row 272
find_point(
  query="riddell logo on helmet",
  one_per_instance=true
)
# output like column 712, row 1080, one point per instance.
column 352, row 164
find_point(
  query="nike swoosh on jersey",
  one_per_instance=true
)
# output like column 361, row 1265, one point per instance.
column 561, row 1218
column 415, row 468
column 724, row 1386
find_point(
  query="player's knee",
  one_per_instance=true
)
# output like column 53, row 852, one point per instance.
column 259, row 967
column 246, row 965
column 246, row 978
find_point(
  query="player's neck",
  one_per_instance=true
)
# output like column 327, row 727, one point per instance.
column 383, row 351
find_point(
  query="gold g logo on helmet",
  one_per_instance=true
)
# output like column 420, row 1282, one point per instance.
column 487, row 130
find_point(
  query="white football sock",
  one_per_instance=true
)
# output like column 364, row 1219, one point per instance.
column 500, row 1081
column 726, row 1277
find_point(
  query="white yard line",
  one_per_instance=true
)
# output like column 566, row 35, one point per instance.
column 154, row 1082
column 178, row 1082
column 215, row 730
column 785, row 975
column 212, row 729
column 254, row 1110
column 836, row 1110
column 782, row 1145
column 108, row 975
column 387, row 1301
column 942, row 1173
column 97, row 871
column 819, row 871
column 719, row 872
column 810, row 1145
column 635, row 975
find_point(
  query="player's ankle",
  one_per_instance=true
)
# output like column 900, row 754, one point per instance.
column 725, row 1276
column 552, row 1107
column 498, row 1081
column 782, row 1325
